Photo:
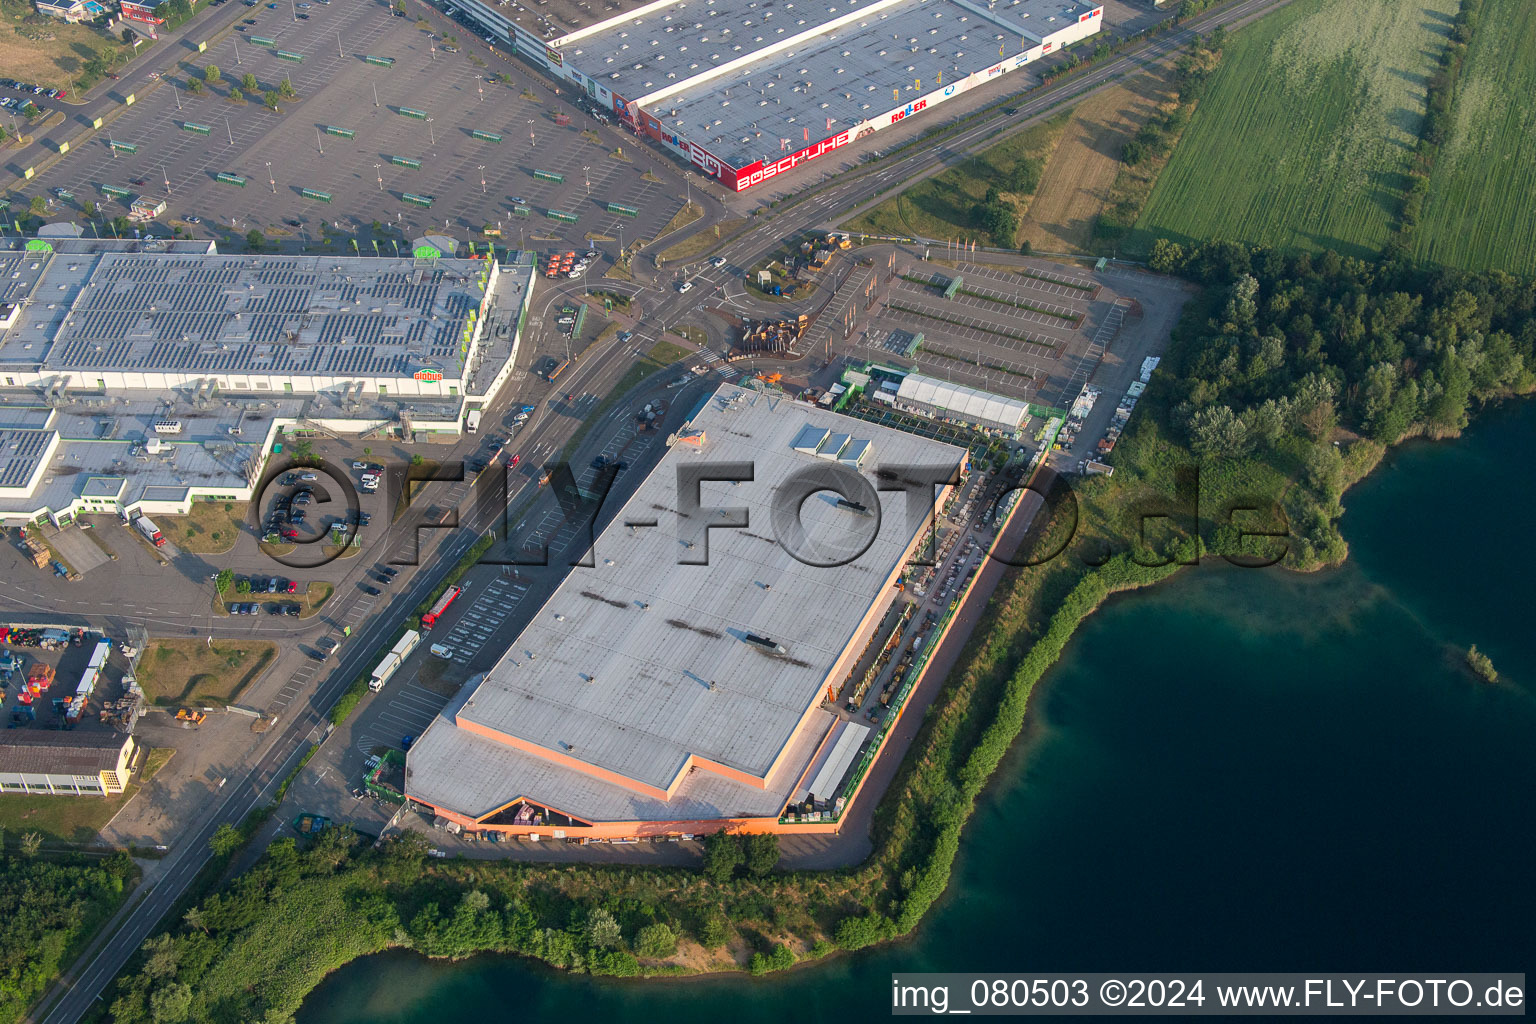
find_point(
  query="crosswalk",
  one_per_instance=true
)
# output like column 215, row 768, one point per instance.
column 712, row 361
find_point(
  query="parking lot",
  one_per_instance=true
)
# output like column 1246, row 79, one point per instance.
column 384, row 151
column 1032, row 332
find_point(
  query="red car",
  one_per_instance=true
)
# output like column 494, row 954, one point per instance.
column 515, row 460
column 293, row 588
column 290, row 534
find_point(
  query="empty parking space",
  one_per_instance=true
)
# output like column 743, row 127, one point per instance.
column 429, row 143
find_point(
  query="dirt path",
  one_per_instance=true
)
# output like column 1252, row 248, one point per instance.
column 1076, row 182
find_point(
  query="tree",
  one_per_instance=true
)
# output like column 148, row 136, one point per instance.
column 656, row 941
column 417, row 459
column 285, row 89
column 194, row 85
column 722, row 856
column 38, row 206
column 235, row 95
column 226, row 839
column 88, row 208
column 255, row 241
column 211, row 74
column 194, row 918
column 127, row 36
column 224, row 579
column 171, row 1003
column 31, row 843
column 1217, row 432
column 243, row 587
column 714, row 931
column 248, row 83
column 302, row 448
column 95, row 67
column 761, row 852
column 270, row 98
column 602, row 931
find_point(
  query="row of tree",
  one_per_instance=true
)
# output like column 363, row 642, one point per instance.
column 49, row 906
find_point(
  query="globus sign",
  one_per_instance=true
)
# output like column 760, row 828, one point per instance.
column 428, row 375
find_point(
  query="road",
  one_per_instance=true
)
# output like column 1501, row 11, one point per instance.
column 112, row 950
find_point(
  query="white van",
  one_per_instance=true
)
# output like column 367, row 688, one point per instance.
column 440, row 651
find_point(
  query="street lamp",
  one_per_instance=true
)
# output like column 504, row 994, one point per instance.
column 431, row 132
column 530, row 133
column 166, row 178
column 319, row 143
column 481, row 168
column 380, row 175
column 587, row 179
column 271, row 180
column 480, row 88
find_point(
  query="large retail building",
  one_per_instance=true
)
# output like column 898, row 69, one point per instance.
column 680, row 683
column 749, row 89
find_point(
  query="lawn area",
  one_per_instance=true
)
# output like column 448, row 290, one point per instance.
column 682, row 218
column 1078, row 181
column 1305, row 133
column 43, row 50
column 60, row 819
column 197, row 672
column 1479, row 214
column 211, row 527
column 315, row 594
column 942, row 206
column 156, row 759
column 695, row 244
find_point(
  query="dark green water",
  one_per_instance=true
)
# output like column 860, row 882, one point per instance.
column 1239, row 770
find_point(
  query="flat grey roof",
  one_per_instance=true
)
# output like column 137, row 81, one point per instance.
column 300, row 315
column 624, row 653
column 100, row 451
column 847, row 75
column 476, row 776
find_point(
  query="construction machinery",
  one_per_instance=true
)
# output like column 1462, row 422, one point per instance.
column 191, row 715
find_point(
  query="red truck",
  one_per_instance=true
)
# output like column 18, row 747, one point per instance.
column 150, row 531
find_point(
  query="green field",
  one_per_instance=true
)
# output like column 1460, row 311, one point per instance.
column 1480, row 213
column 1304, row 136
column 941, row 206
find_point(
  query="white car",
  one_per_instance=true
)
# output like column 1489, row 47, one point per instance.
column 685, row 286
column 717, row 262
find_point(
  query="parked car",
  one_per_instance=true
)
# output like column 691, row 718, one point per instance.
column 369, row 589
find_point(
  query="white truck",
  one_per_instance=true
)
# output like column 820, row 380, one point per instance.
column 472, row 423
column 393, row 660
column 150, row 531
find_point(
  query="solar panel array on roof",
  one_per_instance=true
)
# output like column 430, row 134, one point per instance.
column 19, row 452
column 274, row 315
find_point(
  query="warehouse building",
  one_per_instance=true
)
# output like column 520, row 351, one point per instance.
column 115, row 320
column 54, row 762
column 746, row 91
column 939, row 399
column 139, row 377
column 677, row 685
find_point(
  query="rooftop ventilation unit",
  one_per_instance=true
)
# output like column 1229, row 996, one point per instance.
column 762, row 643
